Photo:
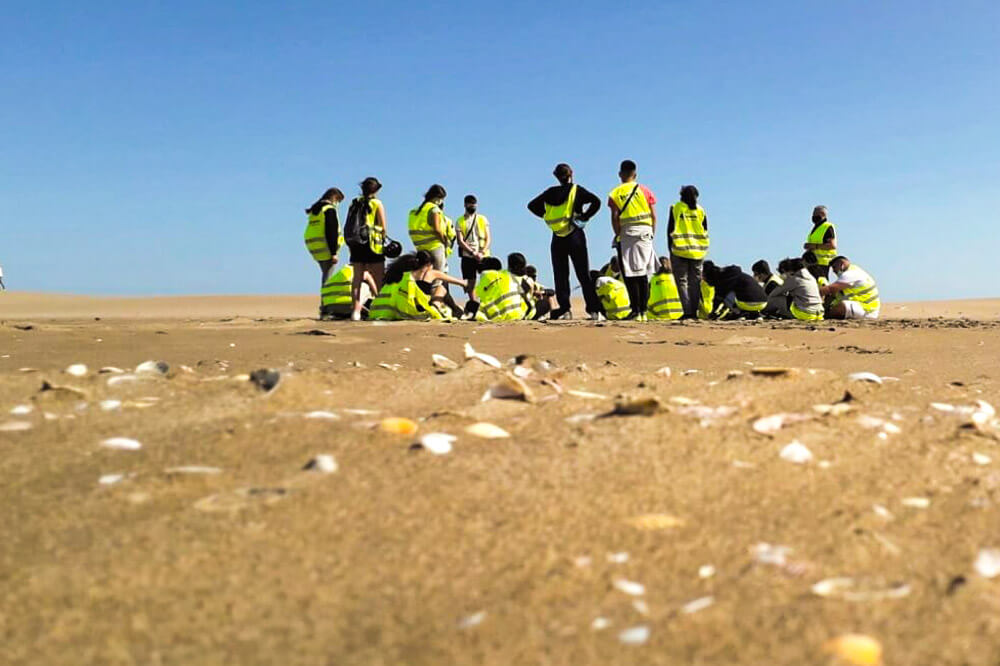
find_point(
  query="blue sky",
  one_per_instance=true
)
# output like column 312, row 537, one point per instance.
column 170, row 147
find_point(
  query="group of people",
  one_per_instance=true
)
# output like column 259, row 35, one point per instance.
column 635, row 284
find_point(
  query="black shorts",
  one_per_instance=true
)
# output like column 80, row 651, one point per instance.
column 362, row 254
column 470, row 269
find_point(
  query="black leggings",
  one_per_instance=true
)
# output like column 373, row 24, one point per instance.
column 638, row 293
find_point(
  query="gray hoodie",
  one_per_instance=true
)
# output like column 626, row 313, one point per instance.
column 803, row 289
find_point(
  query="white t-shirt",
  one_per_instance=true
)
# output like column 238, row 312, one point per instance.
column 852, row 277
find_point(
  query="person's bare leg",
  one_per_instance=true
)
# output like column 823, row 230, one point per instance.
column 356, row 280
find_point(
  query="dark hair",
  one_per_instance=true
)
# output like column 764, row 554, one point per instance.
column 761, row 267
column 791, row 265
column 840, row 257
column 326, row 199
column 563, row 172
column 810, row 258
column 593, row 276
column 663, row 266
column 406, row 263
column 370, row 186
column 471, row 199
column 435, row 192
column 531, row 271
column 710, row 272
column 628, row 167
column 490, row 264
column 516, row 263
column 689, row 195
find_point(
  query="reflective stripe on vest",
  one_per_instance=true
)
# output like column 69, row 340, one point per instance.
column 803, row 315
column 664, row 299
column 422, row 234
column 750, row 307
column 500, row 297
column 337, row 289
column 560, row 218
column 865, row 293
column 689, row 238
column 614, row 299
column 315, row 235
column 638, row 210
column 707, row 301
column 823, row 257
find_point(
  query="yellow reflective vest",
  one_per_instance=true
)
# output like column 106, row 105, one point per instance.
column 614, row 298
column 402, row 300
column 500, row 298
column 560, row 218
column 865, row 293
column 638, row 210
column 315, row 235
column 337, row 291
column 664, row 299
column 422, row 233
column 707, row 302
column 823, row 257
column 689, row 239
column 450, row 235
column 376, row 236
column 473, row 232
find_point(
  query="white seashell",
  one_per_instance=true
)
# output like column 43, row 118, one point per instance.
column 471, row 353
column 981, row 458
column 765, row 553
column 522, row 372
column 864, row 377
column 360, row 412
column 156, row 368
column 393, row 367
column 882, row 512
column 406, row 350
column 486, row 431
column 111, row 370
column 629, row 587
column 634, row 635
column 586, row 394
column 110, row 405
column 697, row 605
column 581, row 418
column 77, row 370
column 110, row 479
column 915, row 502
column 664, row 372
column 122, row 379
column 683, row 401
column 441, row 361
column 768, row 425
column 323, row 463
column 891, row 428
column 437, row 443
column 193, row 469
column 690, row 372
column 21, row 410
column 617, row 558
column 706, row 571
column 509, row 388
column 942, row 407
column 122, row 444
column 796, row 452
column 640, row 606
column 987, row 562
column 322, row 415
column 582, row 561
column 15, row 426
column 742, row 464
column 600, row 623
column 473, row 620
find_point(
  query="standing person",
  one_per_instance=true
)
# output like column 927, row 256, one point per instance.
column 566, row 209
column 687, row 240
column 855, row 294
column 822, row 241
column 427, row 226
column 633, row 219
column 322, row 234
column 364, row 232
column 473, row 242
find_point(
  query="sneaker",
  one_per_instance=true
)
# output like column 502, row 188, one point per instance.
column 561, row 314
column 355, row 316
column 597, row 316
column 642, row 317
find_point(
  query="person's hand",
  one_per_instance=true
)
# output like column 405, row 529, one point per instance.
column 334, row 260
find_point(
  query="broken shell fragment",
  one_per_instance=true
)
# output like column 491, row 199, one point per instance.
column 438, row 443
column 617, row 558
column 486, row 431
column 193, row 469
column 77, row 370
column 329, row 416
column 656, row 521
column 111, row 370
column 110, row 479
column 636, row 407
column 121, row 444
column 15, row 426
column 629, row 587
column 586, row 394
column 697, row 605
column 443, row 362
column 664, row 372
column 915, row 502
column 323, row 463
column 634, row 635
column 395, row 425
column 21, row 410
column 509, row 388
column 987, row 562
column 110, row 405
column 600, row 623
column 471, row 354
column 870, row 377
column 849, row 589
column 706, row 571
column 981, row 458
column 855, row 649
column 796, row 452
column 154, row 368
column 768, row 425
column 473, row 620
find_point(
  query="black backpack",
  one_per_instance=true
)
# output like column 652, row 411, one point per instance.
column 356, row 231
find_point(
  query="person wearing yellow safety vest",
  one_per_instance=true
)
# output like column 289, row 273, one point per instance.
column 769, row 281
column 409, row 292
column 337, row 301
column 855, row 294
column 664, row 300
column 742, row 297
column 500, row 294
column 566, row 209
column 633, row 220
column 822, row 241
column 322, row 234
column 614, row 298
column 687, row 240
column 797, row 297
column 473, row 241
column 366, row 257
column 612, row 269
column 428, row 228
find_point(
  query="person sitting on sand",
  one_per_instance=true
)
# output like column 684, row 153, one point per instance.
column 855, row 294
column 337, row 301
column 408, row 291
column 614, row 298
column 612, row 269
column 664, row 299
column 539, row 304
column 765, row 278
column 738, row 292
column 501, row 295
column 540, row 293
column 798, row 296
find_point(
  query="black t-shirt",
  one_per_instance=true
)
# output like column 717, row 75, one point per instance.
column 830, row 232
column 332, row 230
column 585, row 206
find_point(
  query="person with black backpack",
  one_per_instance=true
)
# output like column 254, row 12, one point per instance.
column 365, row 232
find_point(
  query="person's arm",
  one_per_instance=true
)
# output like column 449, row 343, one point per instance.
column 537, row 205
column 833, row 288
column 829, row 241
column 434, row 274
column 380, row 219
column 487, row 238
column 780, row 290
column 437, row 224
column 616, row 217
column 461, row 240
column 332, row 224
column 587, row 204
column 670, row 231
column 652, row 214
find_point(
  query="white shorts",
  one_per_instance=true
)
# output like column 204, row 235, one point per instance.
column 854, row 310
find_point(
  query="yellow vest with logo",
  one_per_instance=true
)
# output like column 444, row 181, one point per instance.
column 865, row 293
column 403, row 300
column 337, row 290
column 664, row 299
column 560, row 218
column 614, row 299
column 315, row 235
column 474, row 235
column 499, row 297
column 823, row 257
column 422, row 233
column 638, row 210
column 689, row 238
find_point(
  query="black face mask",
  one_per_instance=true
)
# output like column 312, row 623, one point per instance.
column 470, row 210
column 817, row 219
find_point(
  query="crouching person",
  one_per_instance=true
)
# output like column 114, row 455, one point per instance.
column 664, row 299
column 409, row 290
column 737, row 291
column 855, row 294
column 614, row 297
column 798, row 296
column 500, row 294
column 337, row 301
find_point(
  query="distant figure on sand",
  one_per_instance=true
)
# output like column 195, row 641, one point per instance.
column 687, row 239
column 855, row 294
column 473, row 241
column 822, row 240
column 409, row 291
column 428, row 228
column 365, row 231
column 566, row 208
column 633, row 220
column 322, row 234
column 664, row 299
column 797, row 296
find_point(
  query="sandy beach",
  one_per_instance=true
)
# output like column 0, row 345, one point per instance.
column 682, row 526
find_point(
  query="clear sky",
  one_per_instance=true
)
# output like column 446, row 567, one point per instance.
column 170, row 147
